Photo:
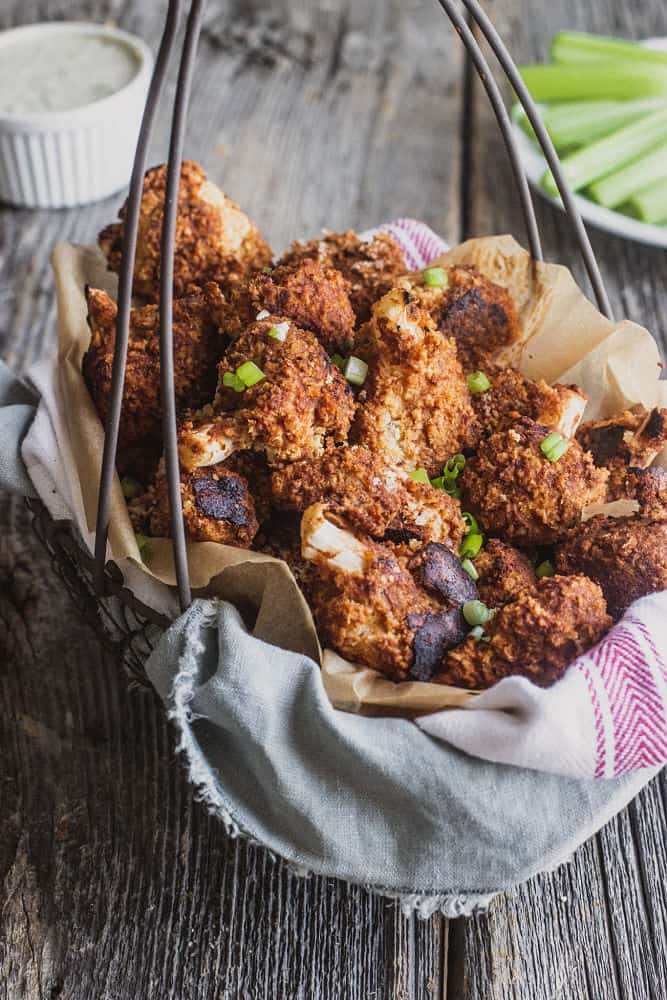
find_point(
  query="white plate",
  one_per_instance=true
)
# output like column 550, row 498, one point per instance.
column 604, row 218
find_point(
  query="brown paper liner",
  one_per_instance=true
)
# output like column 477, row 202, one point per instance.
column 564, row 338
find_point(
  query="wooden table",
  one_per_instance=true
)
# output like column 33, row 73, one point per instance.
column 114, row 881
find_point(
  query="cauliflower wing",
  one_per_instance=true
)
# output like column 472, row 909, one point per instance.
column 537, row 635
column 369, row 266
column 299, row 401
column 626, row 441
column 520, row 495
column 198, row 346
column 215, row 241
column 504, row 573
column 415, row 408
column 512, row 395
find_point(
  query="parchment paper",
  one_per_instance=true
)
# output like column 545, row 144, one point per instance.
column 564, row 338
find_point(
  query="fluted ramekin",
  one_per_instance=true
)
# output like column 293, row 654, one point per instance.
column 57, row 159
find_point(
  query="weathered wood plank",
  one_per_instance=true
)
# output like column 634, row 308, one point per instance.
column 597, row 927
column 115, row 882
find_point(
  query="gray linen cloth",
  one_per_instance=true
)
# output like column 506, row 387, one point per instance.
column 375, row 801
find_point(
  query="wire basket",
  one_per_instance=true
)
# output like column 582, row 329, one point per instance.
column 126, row 625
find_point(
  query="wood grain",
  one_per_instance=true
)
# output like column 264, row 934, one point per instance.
column 114, row 881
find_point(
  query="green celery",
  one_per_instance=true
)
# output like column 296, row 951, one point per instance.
column 616, row 187
column 606, row 81
column 601, row 157
column 650, row 204
column 580, row 47
column 575, row 123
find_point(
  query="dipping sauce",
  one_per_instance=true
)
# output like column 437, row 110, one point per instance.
column 63, row 71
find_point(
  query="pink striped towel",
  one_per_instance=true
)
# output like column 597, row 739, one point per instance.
column 607, row 716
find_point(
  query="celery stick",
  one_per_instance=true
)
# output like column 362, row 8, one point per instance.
column 614, row 151
column 649, row 205
column 617, row 187
column 606, row 81
column 578, row 47
column 575, row 123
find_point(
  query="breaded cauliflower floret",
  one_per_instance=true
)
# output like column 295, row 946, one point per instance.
column 512, row 395
column 628, row 440
column 217, row 507
column 536, row 636
column 215, row 241
column 396, row 616
column 626, row 555
column 198, row 346
column 504, row 573
column 523, row 497
column 370, row 266
column 300, row 400
column 476, row 312
column 415, row 409
column 313, row 296
column 379, row 500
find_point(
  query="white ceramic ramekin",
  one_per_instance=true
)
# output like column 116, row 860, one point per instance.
column 57, row 159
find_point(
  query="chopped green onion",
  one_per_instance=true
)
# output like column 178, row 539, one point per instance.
column 452, row 490
column 477, row 634
column 616, row 187
column 267, row 270
column 131, row 487
column 478, row 382
column 232, row 381
column 355, row 370
column 471, row 523
column 144, row 546
column 649, row 204
column 605, row 80
column 471, row 545
column 249, row 374
column 605, row 155
column 435, row 277
column 419, row 476
column 477, row 613
column 338, row 360
column 438, row 482
column 469, row 567
column 279, row 331
column 545, row 568
column 554, row 446
column 454, row 466
column 263, row 314
column 580, row 47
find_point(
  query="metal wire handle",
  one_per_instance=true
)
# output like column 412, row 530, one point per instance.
column 167, row 390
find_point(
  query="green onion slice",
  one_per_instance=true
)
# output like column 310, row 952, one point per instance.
column 435, row 277
column 355, row 370
column 477, row 613
column 471, row 545
column 471, row 523
column 267, row 270
column 419, row 476
column 545, row 568
column 232, row 381
column 478, row 382
column 554, row 446
column 477, row 633
column 249, row 374
column 131, row 487
column 454, row 466
column 279, row 331
column 469, row 567
column 338, row 360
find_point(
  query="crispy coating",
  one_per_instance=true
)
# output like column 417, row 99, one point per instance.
column 504, row 573
column 512, row 395
column 198, row 346
column 535, row 636
column 301, row 401
column 371, row 608
column 313, row 296
column 523, row 497
column 476, row 312
column 415, row 409
column 215, row 241
column 370, row 266
column 649, row 488
column 628, row 440
column 376, row 499
column 626, row 555
column 217, row 506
